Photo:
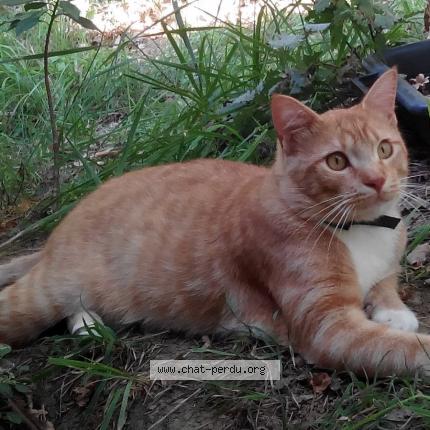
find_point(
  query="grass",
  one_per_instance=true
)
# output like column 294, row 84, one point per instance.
column 191, row 92
column 107, row 384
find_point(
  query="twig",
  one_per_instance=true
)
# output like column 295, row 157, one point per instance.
column 52, row 116
column 22, row 414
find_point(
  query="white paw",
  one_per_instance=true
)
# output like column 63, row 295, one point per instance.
column 401, row 319
column 78, row 323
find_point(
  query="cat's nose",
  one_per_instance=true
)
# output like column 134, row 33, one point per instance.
column 376, row 182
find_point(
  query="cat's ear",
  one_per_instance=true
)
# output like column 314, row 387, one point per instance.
column 291, row 118
column 382, row 95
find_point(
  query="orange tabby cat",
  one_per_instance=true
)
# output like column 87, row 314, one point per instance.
column 213, row 246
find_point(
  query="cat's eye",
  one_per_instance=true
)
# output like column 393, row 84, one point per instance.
column 337, row 161
column 385, row 149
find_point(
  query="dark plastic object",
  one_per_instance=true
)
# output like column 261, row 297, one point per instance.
column 410, row 59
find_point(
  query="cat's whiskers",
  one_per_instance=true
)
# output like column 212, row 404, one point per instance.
column 411, row 203
column 327, row 220
column 414, row 188
column 416, row 199
column 345, row 216
column 333, row 214
column 321, row 211
column 336, row 197
column 328, row 215
column 341, row 224
column 414, row 185
column 420, row 175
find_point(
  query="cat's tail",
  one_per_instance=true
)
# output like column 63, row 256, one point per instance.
column 17, row 268
column 29, row 306
column 345, row 338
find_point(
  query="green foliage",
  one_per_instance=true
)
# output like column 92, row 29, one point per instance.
column 204, row 93
column 35, row 10
column 9, row 388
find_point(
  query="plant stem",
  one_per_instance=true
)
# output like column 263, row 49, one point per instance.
column 52, row 116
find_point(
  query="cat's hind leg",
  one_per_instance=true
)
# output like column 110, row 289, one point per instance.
column 384, row 305
column 29, row 306
column 249, row 311
column 82, row 323
column 18, row 267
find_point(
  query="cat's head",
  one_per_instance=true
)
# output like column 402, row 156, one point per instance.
column 352, row 159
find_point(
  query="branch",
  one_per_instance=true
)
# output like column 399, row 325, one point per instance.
column 52, row 116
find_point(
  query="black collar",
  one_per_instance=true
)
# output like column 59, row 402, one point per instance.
column 383, row 221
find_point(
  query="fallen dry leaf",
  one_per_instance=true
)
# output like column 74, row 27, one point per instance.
column 419, row 81
column 419, row 255
column 335, row 384
column 8, row 224
column 41, row 416
column 407, row 293
column 207, row 342
column 398, row 415
column 82, row 395
column 320, row 382
column 109, row 152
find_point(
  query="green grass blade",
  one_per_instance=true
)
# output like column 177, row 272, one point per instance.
column 110, row 409
column 122, row 418
column 93, row 368
column 50, row 55
column 131, row 134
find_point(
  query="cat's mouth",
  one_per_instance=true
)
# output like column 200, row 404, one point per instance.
column 365, row 207
column 368, row 208
column 369, row 200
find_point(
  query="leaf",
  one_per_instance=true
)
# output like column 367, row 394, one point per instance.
column 419, row 256
column 21, row 388
column 384, row 21
column 321, row 5
column 70, row 10
column 5, row 390
column 86, row 23
column 82, row 394
column 312, row 28
column 298, row 81
column 13, row 24
column 110, row 408
column 320, row 382
column 398, row 415
column 122, row 419
column 285, row 40
column 427, row 17
column 51, row 54
column 131, row 134
column 367, row 7
column 14, row 417
column 27, row 23
column 35, row 5
column 4, row 349
column 13, row 2
column 255, row 396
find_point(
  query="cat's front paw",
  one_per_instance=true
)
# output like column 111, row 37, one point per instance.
column 401, row 319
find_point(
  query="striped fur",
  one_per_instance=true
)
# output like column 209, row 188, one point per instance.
column 212, row 246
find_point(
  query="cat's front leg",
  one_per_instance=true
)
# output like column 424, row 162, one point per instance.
column 329, row 328
column 383, row 305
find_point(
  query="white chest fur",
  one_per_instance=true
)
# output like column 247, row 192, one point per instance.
column 373, row 252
